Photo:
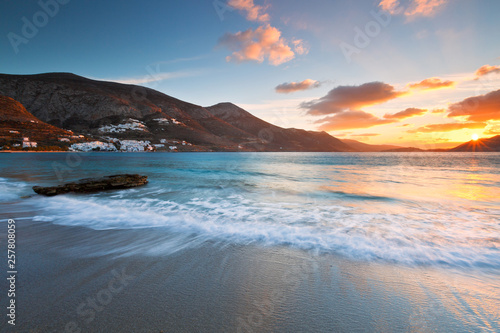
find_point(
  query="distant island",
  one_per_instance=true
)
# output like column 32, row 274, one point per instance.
column 66, row 112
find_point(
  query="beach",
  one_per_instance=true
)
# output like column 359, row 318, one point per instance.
column 66, row 283
column 226, row 243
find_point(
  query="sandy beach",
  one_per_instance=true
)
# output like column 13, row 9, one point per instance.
column 73, row 279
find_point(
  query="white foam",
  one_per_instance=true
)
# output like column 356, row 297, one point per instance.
column 436, row 235
column 11, row 190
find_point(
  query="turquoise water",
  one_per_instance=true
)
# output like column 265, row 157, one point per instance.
column 439, row 209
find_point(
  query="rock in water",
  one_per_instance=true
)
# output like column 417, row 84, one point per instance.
column 89, row 185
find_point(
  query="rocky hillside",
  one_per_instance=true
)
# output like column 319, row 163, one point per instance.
column 481, row 145
column 274, row 136
column 16, row 123
column 112, row 110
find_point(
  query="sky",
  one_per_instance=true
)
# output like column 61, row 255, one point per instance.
column 423, row 73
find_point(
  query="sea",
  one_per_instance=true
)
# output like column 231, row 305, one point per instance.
column 408, row 209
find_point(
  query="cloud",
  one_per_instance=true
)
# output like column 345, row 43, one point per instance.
column 343, row 98
column 343, row 134
column 448, row 127
column 432, row 84
column 478, row 108
column 437, row 111
column 391, row 6
column 493, row 130
column 351, row 120
column 300, row 47
column 411, row 8
column 153, row 77
column 487, row 69
column 410, row 112
column 366, row 134
column 253, row 11
column 289, row 87
column 257, row 45
column 265, row 42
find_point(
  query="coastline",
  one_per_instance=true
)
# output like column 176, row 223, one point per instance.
column 142, row 280
column 214, row 244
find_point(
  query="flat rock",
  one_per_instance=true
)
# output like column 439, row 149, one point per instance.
column 89, row 185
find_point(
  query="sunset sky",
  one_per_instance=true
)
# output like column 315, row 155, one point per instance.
column 422, row 73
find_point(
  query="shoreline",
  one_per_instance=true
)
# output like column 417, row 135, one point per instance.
column 144, row 280
column 279, row 151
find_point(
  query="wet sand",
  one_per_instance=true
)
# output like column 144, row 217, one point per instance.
column 74, row 279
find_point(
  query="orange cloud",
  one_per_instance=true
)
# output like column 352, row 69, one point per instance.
column 257, row 45
column 412, row 7
column 478, row 108
column 437, row 111
column 432, row 84
column 351, row 120
column 410, row 112
column 253, row 11
column 493, row 130
column 343, row 98
column 487, row 69
column 289, row 87
column 366, row 134
column 447, row 127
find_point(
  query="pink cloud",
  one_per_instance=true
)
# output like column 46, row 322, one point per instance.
column 478, row 108
column 257, row 45
column 411, row 8
column 424, row 7
column 300, row 47
column 391, row 6
column 253, row 11
column 289, row 87
column 487, row 69
column 343, row 98
column 351, row 120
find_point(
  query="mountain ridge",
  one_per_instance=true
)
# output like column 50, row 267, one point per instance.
column 92, row 107
column 491, row 144
column 47, row 105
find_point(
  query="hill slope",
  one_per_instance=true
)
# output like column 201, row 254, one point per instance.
column 480, row 145
column 15, row 118
column 365, row 147
column 275, row 136
column 125, row 111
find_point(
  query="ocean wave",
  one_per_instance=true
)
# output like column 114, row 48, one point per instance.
column 430, row 234
column 12, row 190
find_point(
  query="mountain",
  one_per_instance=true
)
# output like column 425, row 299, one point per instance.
column 102, row 109
column 480, row 145
column 404, row 150
column 276, row 136
column 365, row 147
column 16, row 122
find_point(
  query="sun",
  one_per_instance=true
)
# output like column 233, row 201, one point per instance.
column 475, row 137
